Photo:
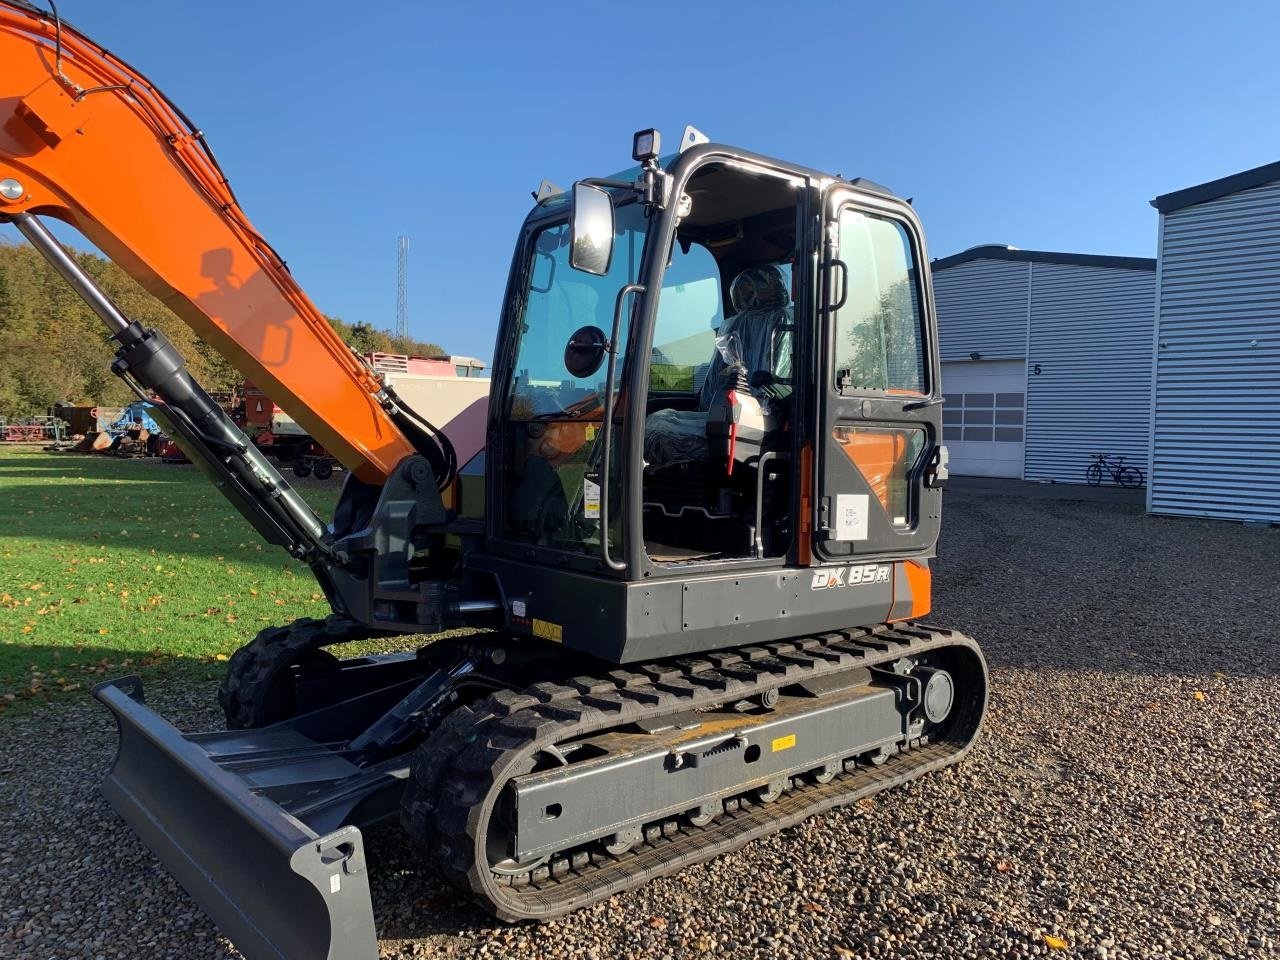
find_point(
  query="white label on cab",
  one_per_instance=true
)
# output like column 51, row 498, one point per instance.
column 851, row 515
column 590, row 499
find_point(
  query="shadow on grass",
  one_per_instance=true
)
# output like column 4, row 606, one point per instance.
column 93, row 466
column 143, row 474
column 36, row 673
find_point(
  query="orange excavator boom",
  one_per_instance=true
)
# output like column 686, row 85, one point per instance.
column 88, row 140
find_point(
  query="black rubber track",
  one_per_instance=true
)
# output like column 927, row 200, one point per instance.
column 459, row 773
column 254, row 691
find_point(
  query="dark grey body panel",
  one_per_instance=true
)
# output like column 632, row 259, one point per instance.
column 626, row 622
column 565, row 806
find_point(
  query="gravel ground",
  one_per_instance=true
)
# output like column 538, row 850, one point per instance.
column 1124, row 797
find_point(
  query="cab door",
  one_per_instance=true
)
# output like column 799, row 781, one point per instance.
column 877, row 493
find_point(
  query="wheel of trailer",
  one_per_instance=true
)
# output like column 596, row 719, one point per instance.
column 1093, row 474
column 323, row 470
column 301, row 468
column 502, row 823
column 1131, row 477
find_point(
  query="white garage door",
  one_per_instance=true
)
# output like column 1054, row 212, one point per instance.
column 983, row 416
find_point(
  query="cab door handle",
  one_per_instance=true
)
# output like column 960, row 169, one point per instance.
column 921, row 404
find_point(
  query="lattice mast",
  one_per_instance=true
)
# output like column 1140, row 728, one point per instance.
column 402, row 285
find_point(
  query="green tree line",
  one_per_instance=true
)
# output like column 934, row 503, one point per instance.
column 54, row 349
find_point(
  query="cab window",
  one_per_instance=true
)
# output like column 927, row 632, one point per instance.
column 690, row 311
column 878, row 327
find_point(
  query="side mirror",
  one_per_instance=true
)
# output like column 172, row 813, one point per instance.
column 591, row 230
column 585, row 351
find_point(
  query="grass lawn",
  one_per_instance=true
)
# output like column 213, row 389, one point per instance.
column 109, row 567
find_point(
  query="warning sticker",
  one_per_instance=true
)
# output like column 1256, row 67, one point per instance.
column 784, row 743
column 548, row 630
column 590, row 499
column 851, row 515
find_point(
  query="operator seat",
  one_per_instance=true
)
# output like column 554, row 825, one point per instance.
column 763, row 324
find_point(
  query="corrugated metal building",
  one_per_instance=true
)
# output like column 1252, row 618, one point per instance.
column 1215, row 447
column 1046, row 359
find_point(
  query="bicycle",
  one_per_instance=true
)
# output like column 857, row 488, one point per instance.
column 1121, row 475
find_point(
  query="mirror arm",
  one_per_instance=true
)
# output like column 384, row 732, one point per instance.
column 606, row 440
column 604, row 182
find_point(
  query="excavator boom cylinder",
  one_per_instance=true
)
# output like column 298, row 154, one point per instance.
column 150, row 364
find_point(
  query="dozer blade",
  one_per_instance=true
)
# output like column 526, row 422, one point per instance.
column 275, row 887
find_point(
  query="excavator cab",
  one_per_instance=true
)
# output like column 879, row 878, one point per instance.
column 711, row 368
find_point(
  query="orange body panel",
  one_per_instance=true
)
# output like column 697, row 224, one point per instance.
column 124, row 168
column 878, row 457
column 920, row 580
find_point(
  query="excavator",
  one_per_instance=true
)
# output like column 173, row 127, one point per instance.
column 681, row 570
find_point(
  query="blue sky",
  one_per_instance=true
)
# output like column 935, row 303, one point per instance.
column 342, row 125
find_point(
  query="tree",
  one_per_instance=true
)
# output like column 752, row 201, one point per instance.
column 53, row 348
column 883, row 349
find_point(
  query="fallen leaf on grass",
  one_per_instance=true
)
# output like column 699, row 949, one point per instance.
column 220, row 656
column 103, row 631
column 1055, row 943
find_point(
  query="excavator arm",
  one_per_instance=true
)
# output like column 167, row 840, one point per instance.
column 86, row 139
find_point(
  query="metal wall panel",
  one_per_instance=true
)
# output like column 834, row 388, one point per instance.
column 982, row 308
column 1088, row 368
column 1215, row 448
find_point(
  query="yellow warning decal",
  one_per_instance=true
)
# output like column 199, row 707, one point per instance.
column 784, row 743
column 552, row 631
